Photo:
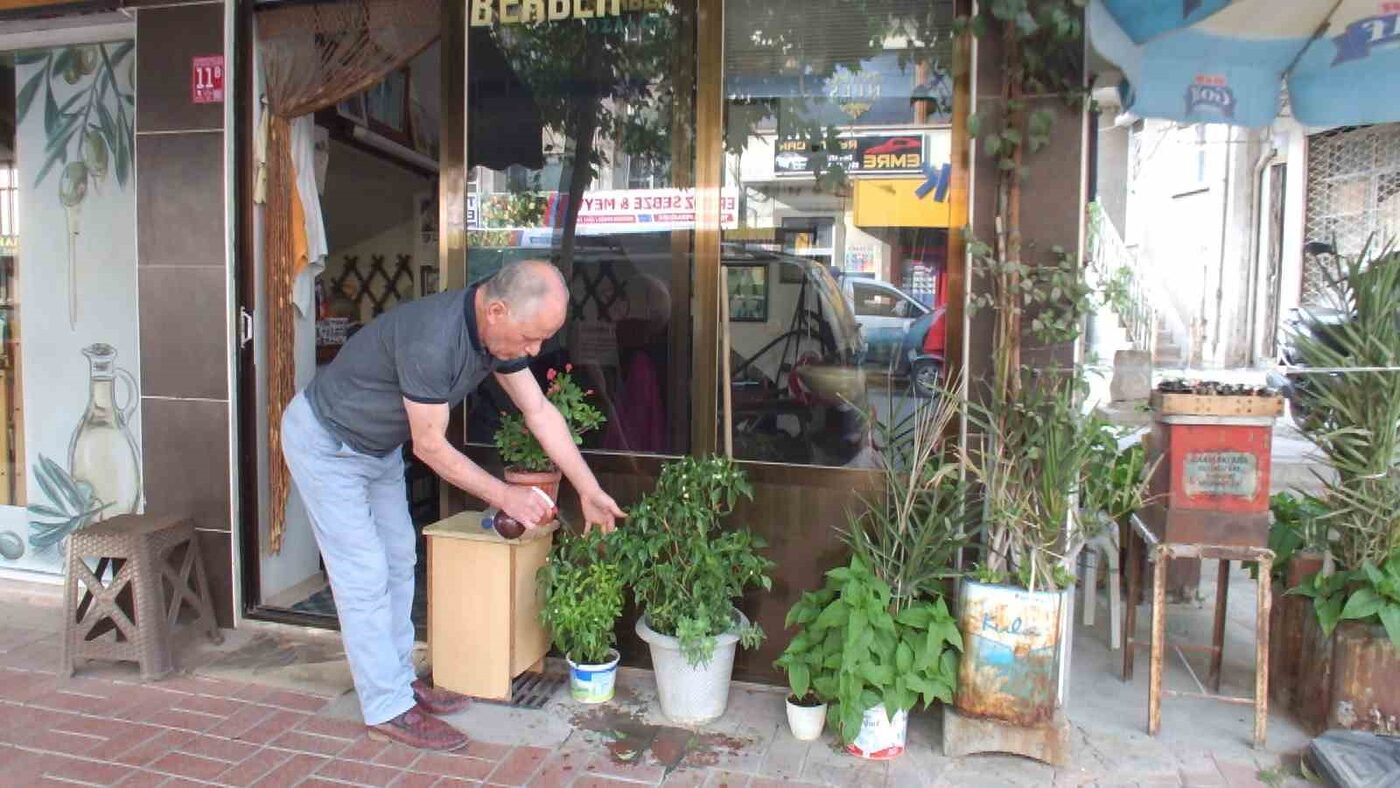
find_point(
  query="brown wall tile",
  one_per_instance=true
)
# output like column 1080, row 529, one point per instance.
column 186, row 466
column 180, row 199
column 217, row 550
column 184, row 336
column 168, row 39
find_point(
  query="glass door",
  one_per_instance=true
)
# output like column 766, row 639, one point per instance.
column 580, row 142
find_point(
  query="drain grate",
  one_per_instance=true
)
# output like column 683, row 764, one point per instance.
column 533, row 690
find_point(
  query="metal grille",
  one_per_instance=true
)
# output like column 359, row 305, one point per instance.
column 534, row 690
column 1353, row 194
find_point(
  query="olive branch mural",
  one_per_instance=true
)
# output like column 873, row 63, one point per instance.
column 90, row 135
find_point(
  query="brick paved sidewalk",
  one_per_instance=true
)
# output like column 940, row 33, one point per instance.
column 105, row 727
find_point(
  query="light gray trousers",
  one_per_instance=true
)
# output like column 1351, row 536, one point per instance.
column 359, row 512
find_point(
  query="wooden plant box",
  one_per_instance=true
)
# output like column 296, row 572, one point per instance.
column 1215, row 405
column 1347, row 680
column 483, row 605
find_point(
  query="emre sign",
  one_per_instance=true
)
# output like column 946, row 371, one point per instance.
column 527, row 12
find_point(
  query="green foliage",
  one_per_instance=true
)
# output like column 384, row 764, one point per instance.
column 686, row 572
column 1047, row 472
column 912, row 530
column 581, row 585
column 1296, row 527
column 856, row 649
column 1354, row 418
column 1370, row 595
column 519, row 447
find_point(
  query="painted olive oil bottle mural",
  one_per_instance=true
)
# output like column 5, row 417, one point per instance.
column 77, row 406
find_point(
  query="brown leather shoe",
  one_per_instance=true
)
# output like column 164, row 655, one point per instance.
column 416, row 729
column 436, row 700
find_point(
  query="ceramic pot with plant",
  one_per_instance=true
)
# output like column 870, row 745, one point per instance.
column 874, row 655
column 686, row 574
column 526, row 461
column 581, row 587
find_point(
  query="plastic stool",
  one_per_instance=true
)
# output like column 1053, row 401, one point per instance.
column 1107, row 545
column 133, row 605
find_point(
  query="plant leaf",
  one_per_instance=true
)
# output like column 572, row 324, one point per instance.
column 1362, row 605
column 28, row 92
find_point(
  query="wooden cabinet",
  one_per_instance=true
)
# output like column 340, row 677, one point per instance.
column 483, row 605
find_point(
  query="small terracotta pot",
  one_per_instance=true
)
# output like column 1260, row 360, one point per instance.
column 547, row 481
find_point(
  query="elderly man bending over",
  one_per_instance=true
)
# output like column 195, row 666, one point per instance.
column 395, row 380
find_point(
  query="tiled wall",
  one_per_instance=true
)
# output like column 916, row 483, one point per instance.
column 183, row 282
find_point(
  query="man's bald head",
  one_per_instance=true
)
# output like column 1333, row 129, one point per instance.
column 524, row 286
column 521, row 307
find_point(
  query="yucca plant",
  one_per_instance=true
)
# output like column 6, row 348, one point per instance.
column 910, row 532
column 1355, row 415
column 1352, row 398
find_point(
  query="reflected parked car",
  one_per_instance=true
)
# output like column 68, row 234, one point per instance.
column 885, row 314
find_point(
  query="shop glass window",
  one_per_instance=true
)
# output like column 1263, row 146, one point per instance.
column 611, row 99
column 70, row 416
column 837, row 113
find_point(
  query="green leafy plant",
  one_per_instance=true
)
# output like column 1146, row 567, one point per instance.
column 859, row 646
column 1370, row 595
column 1296, row 526
column 582, row 589
column 686, row 572
column 519, row 447
column 72, row 505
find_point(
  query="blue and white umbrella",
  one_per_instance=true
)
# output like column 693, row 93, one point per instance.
column 1227, row 61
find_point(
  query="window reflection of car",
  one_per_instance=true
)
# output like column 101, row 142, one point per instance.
column 798, row 387
column 884, row 313
column 790, row 161
column 896, row 145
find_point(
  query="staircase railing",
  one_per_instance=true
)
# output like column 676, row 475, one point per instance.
column 1120, row 271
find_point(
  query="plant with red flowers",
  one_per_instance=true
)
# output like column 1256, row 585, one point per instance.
column 518, row 446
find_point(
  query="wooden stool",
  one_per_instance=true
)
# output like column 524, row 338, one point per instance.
column 1160, row 554
column 133, row 605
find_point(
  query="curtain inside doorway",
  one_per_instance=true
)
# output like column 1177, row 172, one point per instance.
column 314, row 56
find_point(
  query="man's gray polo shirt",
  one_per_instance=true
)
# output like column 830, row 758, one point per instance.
column 425, row 351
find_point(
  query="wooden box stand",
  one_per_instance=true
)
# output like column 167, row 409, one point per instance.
column 483, row 605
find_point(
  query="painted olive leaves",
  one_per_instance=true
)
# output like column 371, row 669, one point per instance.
column 90, row 134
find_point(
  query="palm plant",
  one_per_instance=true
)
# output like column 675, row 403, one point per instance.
column 1355, row 415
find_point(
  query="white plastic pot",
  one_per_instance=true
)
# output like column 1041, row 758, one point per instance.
column 593, row 683
column 806, row 722
column 691, row 695
column 881, row 737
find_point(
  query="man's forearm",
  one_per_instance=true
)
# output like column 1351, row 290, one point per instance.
column 458, row 470
column 550, row 429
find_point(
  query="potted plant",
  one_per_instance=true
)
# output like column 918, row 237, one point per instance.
column 1353, row 630
column 526, row 461
column 581, row 587
column 686, row 574
column 873, row 655
column 878, row 638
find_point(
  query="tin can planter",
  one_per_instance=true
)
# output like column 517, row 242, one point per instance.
column 593, row 683
column 691, row 694
column 1015, row 644
column 881, row 736
column 806, row 720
